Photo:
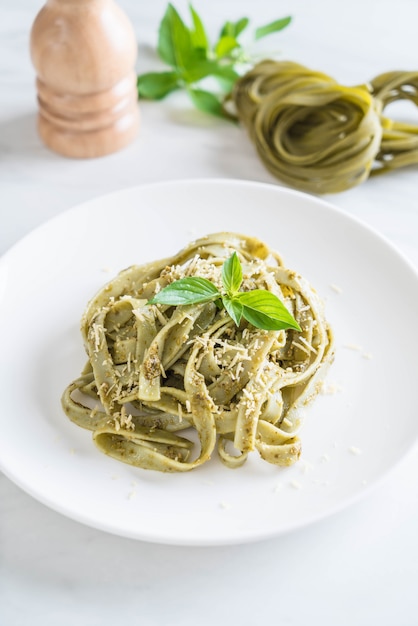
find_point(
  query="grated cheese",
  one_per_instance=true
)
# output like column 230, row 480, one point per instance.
column 306, row 466
column 353, row 346
column 97, row 338
column 329, row 388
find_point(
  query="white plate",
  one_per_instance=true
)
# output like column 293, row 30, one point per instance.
column 350, row 438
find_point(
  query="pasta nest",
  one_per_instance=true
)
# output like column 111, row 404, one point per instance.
column 320, row 136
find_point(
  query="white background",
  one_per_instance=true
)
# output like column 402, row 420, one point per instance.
column 358, row 567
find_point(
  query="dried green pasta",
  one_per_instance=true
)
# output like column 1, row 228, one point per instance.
column 319, row 136
column 166, row 387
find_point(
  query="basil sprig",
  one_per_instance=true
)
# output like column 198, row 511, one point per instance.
column 259, row 307
column 191, row 58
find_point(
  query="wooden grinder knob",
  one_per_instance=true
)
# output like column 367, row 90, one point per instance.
column 84, row 53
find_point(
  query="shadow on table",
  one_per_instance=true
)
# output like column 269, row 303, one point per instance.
column 19, row 139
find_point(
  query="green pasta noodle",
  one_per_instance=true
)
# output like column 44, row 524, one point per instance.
column 165, row 387
column 319, row 136
column 399, row 144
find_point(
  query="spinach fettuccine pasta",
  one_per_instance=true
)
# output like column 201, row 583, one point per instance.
column 167, row 387
column 317, row 135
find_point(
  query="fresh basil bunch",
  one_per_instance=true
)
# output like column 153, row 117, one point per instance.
column 191, row 58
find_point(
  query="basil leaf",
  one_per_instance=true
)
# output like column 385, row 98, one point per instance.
column 226, row 76
column 201, row 67
column 157, row 85
column 165, row 46
column 264, row 310
column 206, row 101
column 186, row 291
column 227, row 30
column 234, row 309
column 175, row 40
column 232, row 274
column 234, row 29
column 226, row 71
column 240, row 25
column 199, row 37
column 261, row 320
column 225, row 45
column 273, row 27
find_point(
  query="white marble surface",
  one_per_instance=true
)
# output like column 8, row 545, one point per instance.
column 358, row 567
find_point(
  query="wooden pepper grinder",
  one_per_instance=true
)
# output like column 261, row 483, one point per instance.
column 84, row 52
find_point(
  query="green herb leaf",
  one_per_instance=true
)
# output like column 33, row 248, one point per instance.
column 225, row 45
column 234, row 308
column 190, row 290
column 234, row 29
column 206, row 101
column 226, row 76
column 226, row 71
column 175, row 40
column 201, row 68
column 261, row 320
column 198, row 34
column 157, row 85
column 273, row 27
column 264, row 310
column 232, row 274
column 166, row 46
